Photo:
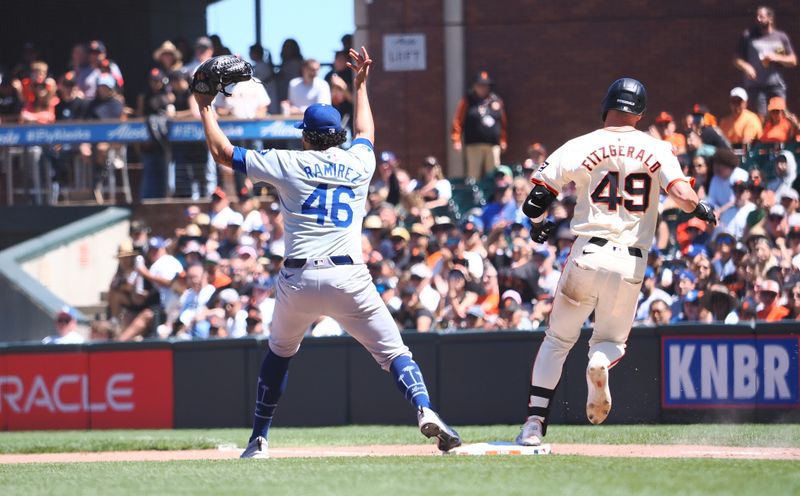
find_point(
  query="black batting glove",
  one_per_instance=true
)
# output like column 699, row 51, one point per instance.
column 705, row 212
column 541, row 231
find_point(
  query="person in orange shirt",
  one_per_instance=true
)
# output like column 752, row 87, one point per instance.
column 780, row 125
column 664, row 129
column 767, row 293
column 742, row 126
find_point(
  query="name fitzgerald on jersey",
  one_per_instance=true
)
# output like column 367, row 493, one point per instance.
column 606, row 152
column 337, row 171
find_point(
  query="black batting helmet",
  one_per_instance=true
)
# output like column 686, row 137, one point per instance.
column 626, row 95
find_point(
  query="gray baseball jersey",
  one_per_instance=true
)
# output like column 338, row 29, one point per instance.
column 323, row 201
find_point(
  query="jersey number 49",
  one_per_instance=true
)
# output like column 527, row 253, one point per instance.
column 337, row 209
column 636, row 185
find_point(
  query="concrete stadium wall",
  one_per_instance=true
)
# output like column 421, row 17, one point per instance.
column 473, row 378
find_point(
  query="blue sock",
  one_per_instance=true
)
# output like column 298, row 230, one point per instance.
column 271, row 385
column 410, row 382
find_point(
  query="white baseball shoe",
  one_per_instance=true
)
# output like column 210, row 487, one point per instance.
column 257, row 448
column 531, row 433
column 598, row 400
column 431, row 425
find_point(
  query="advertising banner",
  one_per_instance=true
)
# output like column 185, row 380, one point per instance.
column 80, row 390
column 743, row 372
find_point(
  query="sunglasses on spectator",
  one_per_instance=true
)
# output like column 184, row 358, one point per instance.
column 63, row 321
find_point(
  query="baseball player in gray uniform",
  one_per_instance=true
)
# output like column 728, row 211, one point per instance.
column 618, row 173
column 323, row 191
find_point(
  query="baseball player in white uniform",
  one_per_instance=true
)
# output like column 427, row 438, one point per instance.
column 618, row 172
column 323, row 191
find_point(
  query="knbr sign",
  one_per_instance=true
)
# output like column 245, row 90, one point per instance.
column 730, row 372
column 82, row 390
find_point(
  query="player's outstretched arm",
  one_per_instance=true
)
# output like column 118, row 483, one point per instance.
column 363, row 125
column 218, row 144
column 686, row 198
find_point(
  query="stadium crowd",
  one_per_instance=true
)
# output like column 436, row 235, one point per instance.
column 448, row 254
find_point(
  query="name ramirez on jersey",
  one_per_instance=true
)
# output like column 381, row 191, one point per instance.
column 618, row 174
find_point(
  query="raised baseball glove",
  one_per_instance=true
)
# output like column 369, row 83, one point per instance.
column 213, row 75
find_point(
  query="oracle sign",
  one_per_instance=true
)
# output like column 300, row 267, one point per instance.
column 83, row 390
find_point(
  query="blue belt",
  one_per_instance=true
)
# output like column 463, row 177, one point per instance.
column 297, row 263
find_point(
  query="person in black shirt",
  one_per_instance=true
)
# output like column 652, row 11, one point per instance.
column 71, row 107
column 105, row 106
column 155, row 105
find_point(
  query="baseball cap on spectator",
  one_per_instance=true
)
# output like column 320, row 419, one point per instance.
column 513, row 294
column 420, row 270
column 649, row 273
column 218, row 194
column 699, row 109
column 482, row 78
column 400, row 232
column 229, row 295
column 740, row 247
column 203, row 219
column 695, row 250
column 776, row 103
column 212, row 258
column 66, row 314
column 663, row 118
column 97, row 46
column 107, row 80
column 692, row 296
column 503, row 172
column 687, row 274
column 125, row 249
column 769, row 286
column 236, row 219
column 388, row 156
column 191, row 247
column 321, row 117
column 419, row 230
column 373, row 222
column 790, row 193
column 542, row 251
column 246, row 252
column 193, row 230
column 756, row 233
column 725, row 238
column 167, row 47
column 157, row 242
column 777, row 211
column 442, row 222
column 739, row 93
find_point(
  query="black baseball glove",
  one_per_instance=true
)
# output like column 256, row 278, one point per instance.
column 213, row 75
column 541, row 231
column 703, row 211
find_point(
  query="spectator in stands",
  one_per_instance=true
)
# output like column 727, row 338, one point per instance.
column 699, row 170
column 66, row 328
column 522, row 274
column 155, row 105
column 28, row 56
column 432, row 186
column 306, row 90
column 741, row 126
column 511, row 314
column 761, row 55
column 216, row 277
column 102, row 330
column 761, row 257
column 489, row 295
column 38, row 96
column 10, row 99
column 780, row 125
column 412, row 314
column 767, row 295
column 548, row 275
column 71, row 106
column 726, row 172
column 101, row 67
column 734, row 219
column 105, row 106
column 793, row 304
column 340, row 69
column 537, row 154
column 689, row 308
column 650, row 293
column 79, row 64
column 127, row 295
column 542, row 308
column 502, row 210
column 221, row 212
column 342, row 100
column 704, row 124
column 659, row 313
column 194, row 302
column 479, row 127
column 264, row 70
column 292, row 62
column 233, row 316
column 664, row 129
column 168, row 58
column 420, row 276
column 785, row 173
column 458, row 297
column 219, row 48
column 203, row 50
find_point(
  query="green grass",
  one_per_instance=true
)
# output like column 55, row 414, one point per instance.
column 547, row 475
column 783, row 435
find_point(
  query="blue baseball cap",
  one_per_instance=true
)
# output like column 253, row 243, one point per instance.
column 649, row 273
column 321, row 117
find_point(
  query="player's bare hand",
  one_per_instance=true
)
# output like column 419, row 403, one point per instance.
column 203, row 100
column 359, row 65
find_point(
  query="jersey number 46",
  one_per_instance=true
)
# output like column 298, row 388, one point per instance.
column 636, row 185
column 340, row 214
